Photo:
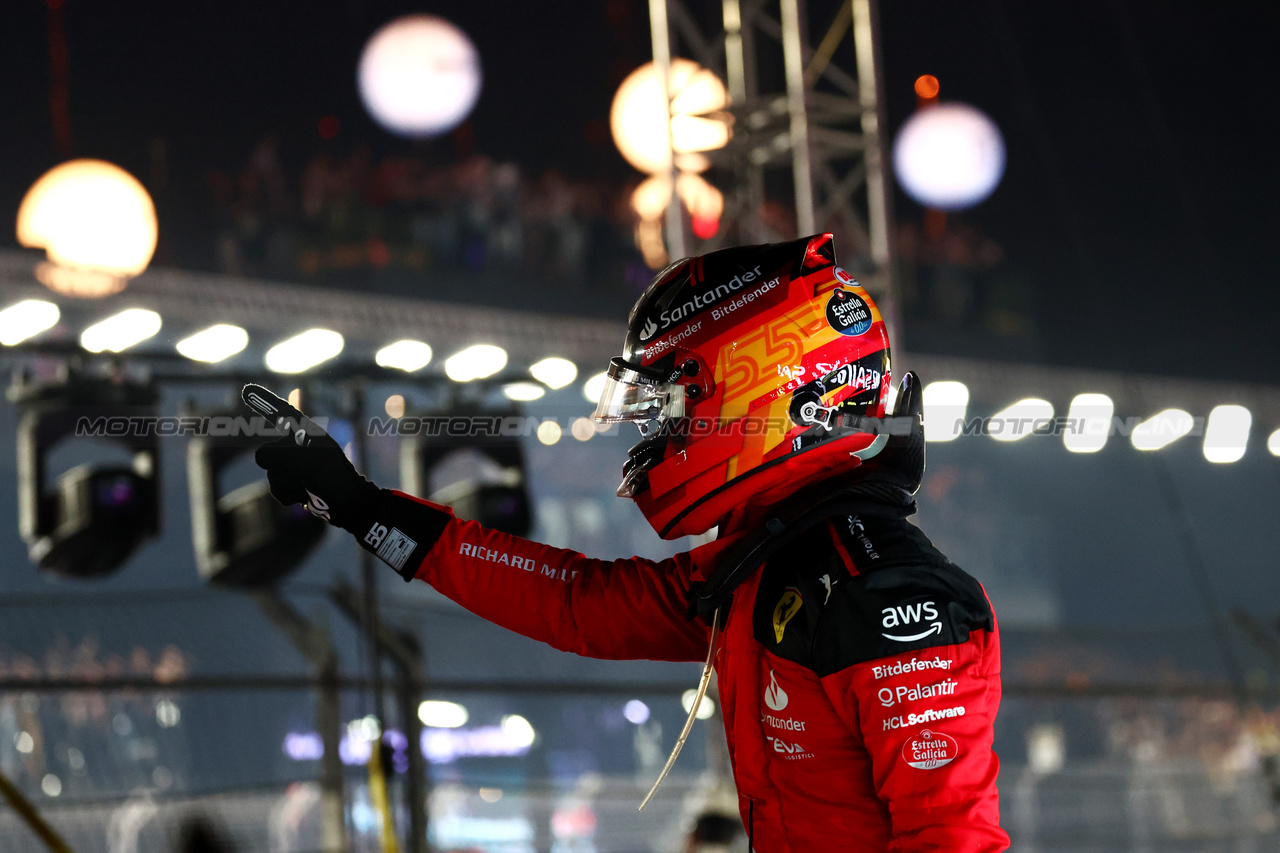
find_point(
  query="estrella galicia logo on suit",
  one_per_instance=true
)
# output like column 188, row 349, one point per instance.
column 907, row 617
column 787, row 607
column 774, row 696
column 930, row 750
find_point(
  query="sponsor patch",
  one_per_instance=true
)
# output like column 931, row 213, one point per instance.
column 395, row 549
column 930, row 750
column 774, row 696
column 848, row 313
column 787, row 607
column 844, row 278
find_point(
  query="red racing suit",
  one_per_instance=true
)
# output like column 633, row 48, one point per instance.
column 859, row 669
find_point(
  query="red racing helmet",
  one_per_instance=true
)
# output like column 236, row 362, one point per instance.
column 741, row 368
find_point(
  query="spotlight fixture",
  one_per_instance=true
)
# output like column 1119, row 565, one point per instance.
column 242, row 538
column 471, row 459
column 93, row 517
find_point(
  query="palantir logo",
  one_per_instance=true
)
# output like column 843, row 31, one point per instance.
column 649, row 328
column 907, row 616
column 774, row 696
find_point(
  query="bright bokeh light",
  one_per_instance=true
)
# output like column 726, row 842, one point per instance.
column 51, row 785
column 638, row 117
column 475, row 362
column 439, row 714
column 419, row 76
column 1161, row 429
column 523, row 392
column 949, row 156
column 927, row 86
column 582, row 429
column 96, row 223
column 554, row 372
column 548, row 432
column 404, row 355
column 1091, row 414
column 706, row 709
column 90, row 217
column 1226, row 433
column 636, row 711
column 1020, row 420
column 593, row 387
column 26, row 319
column 1273, row 443
column 304, row 351
column 944, row 408
column 121, row 331
column 519, row 730
column 394, row 406
column 214, row 344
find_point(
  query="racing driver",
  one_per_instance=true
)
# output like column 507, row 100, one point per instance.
column 859, row 669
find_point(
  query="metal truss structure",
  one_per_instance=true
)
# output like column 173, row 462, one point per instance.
column 816, row 126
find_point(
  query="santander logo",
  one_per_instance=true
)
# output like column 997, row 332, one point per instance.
column 649, row 328
column 774, row 696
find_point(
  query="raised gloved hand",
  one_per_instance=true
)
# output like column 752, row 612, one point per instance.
column 307, row 467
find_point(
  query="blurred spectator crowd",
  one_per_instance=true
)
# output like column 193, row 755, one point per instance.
column 92, row 742
column 353, row 218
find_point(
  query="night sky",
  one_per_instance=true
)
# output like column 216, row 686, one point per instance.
column 1137, row 213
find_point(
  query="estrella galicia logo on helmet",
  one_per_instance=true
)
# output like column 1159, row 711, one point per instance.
column 848, row 313
column 908, row 619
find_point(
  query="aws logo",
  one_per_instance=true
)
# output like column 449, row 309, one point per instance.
column 907, row 617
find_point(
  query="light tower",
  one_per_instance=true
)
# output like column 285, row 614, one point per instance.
column 817, row 126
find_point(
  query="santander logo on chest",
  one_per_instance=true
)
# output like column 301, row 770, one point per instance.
column 774, row 696
column 910, row 622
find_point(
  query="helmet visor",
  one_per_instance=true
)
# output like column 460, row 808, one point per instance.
column 631, row 394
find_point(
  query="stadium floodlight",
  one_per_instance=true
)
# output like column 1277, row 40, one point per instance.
column 945, row 404
column 305, row 351
column 439, row 714
column 243, row 538
column 94, row 516
column 474, row 464
column 96, row 223
column 475, row 362
column 1226, row 433
column 638, row 117
column 419, row 76
column 1089, row 423
column 1162, row 429
column 523, row 392
column 593, row 387
column 554, row 372
column 406, row 355
column 1020, row 420
column 949, row 156
column 26, row 319
column 214, row 344
column 121, row 331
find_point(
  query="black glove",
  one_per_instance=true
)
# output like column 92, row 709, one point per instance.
column 306, row 466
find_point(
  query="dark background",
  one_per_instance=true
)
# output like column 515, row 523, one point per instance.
column 1135, row 221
